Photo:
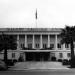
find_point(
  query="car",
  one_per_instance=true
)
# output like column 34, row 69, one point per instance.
column 2, row 66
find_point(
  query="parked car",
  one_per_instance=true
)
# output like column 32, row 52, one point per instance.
column 2, row 66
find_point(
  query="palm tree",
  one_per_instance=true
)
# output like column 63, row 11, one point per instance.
column 68, row 37
column 7, row 42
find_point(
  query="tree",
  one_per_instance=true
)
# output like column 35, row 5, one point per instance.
column 68, row 37
column 7, row 42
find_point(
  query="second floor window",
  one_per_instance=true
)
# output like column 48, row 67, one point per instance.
column 37, row 45
column 59, row 45
column 22, row 45
column 30, row 45
column 66, row 45
column 51, row 45
column 44, row 45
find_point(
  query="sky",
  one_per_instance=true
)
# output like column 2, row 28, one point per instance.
column 50, row 13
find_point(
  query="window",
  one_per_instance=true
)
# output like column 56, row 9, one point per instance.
column 22, row 45
column 30, row 46
column 51, row 45
column 44, row 45
column 37, row 45
column 59, row 45
column 66, row 45
column 13, row 55
column 60, row 55
column 68, row 54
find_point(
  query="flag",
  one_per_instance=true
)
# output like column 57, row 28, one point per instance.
column 36, row 14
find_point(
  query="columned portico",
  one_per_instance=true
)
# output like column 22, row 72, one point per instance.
column 40, row 39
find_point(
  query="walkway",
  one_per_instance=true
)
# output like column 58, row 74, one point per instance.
column 37, row 65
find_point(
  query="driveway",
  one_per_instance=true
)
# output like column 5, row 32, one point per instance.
column 37, row 65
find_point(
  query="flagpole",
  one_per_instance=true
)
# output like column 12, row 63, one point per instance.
column 36, row 18
column 36, row 23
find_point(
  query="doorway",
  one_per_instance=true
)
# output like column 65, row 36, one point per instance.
column 37, row 56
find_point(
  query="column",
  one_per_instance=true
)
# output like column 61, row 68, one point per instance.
column 63, row 46
column 33, row 42
column 48, row 41
column 55, row 42
column 40, row 41
column 25, row 41
column 24, row 56
column 17, row 42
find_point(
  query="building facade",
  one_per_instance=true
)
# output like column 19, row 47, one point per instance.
column 37, row 44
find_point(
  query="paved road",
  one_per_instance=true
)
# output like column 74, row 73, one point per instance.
column 39, row 72
column 38, row 65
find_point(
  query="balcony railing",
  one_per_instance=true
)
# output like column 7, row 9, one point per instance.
column 25, row 48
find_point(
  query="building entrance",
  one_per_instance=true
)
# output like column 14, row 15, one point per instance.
column 37, row 56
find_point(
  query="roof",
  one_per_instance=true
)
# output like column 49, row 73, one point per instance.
column 31, row 29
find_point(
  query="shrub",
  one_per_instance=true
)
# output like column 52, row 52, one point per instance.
column 20, row 59
column 59, row 60
column 53, row 59
column 65, row 62
column 10, row 62
column 14, row 60
column 69, row 61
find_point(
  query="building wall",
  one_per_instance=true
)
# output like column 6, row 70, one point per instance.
column 59, row 53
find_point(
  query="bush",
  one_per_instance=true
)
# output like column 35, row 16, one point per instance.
column 10, row 63
column 65, row 62
column 59, row 60
column 69, row 61
column 14, row 60
column 53, row 59
column 20, row 59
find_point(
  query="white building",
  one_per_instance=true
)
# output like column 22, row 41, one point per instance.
column 43, row 44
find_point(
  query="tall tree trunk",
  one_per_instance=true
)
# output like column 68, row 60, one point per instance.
column 72, row 49
column 72, row 63
column 5, row 56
